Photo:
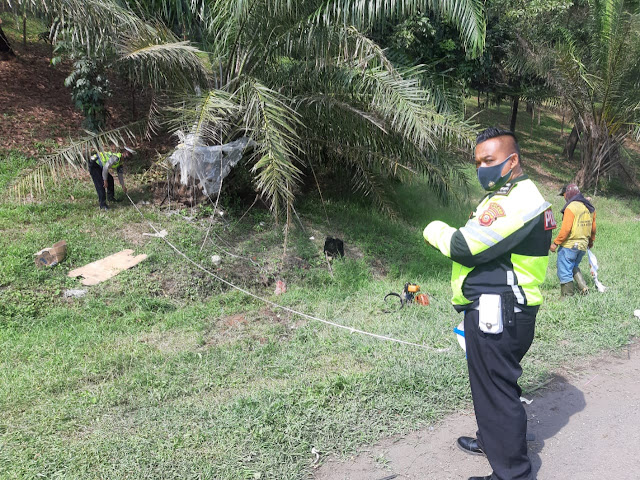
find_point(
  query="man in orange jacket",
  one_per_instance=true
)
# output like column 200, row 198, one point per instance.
column 577, row 234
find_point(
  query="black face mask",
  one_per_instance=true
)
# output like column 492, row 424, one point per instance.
column 491, row 178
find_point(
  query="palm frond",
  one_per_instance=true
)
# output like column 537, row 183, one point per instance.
column 407, row 108
column 207, row 116
column 467, row 15
column 76, row 154
column 272, row 123
column 331, row 102
column 156, row 58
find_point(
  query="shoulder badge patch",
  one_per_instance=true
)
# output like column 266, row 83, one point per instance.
column 549, row 220
column 491, row 214
column 505, row 190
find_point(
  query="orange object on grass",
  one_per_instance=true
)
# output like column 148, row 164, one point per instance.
column 422, row 299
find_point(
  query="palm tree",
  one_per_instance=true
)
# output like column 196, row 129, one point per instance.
column 302, row 79
column 599, row 81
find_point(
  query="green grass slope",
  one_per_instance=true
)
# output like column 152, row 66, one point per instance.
column 162, row 372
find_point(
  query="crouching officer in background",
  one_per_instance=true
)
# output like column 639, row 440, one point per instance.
column 577, row 233
column 99, row 165
column 499, row 258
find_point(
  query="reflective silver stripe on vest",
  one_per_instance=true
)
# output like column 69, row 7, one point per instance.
column 482, row 233
column 534, row 213
column 481, row 238
column 516, row 292
column 511, row 280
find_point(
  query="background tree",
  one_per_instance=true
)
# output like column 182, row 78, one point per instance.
column 304, row 79
column 5, row 47
column 493, row 75
column 598, row 76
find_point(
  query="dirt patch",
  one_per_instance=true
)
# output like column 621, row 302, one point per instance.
column 35, row 104
column 580, row 432
column 170, row 342
column 251, row 326
column 234, row 321
column 132, row 233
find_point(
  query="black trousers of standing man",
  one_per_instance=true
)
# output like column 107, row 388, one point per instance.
column 96, row 174
column 494, row 368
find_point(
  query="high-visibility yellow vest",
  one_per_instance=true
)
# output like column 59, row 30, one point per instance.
column 103, row 158
column 581, row 228
column 503, row 246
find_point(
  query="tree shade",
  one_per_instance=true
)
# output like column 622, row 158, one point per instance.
column 302, row 79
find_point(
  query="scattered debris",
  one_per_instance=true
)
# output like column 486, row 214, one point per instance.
column 160, row 234
column 74, row 293
column 328, row 259
column 312, row 238
column 317, row 459
column 636, row 313
column 281, row 287
column 108, row 267
column 144, row 202
column 216, row 259
column 526, row 400
column 48, row 257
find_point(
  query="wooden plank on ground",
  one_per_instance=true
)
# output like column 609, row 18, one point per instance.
column 105, row 268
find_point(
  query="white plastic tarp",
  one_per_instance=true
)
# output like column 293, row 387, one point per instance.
column 209, row 165
column 593, row 263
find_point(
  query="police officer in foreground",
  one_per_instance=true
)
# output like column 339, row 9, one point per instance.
column 99, row 165
column 499, row 259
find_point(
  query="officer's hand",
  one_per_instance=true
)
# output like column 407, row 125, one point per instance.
column 590, row 246
column 106, row 184
column 124, row 189
column 553, row 247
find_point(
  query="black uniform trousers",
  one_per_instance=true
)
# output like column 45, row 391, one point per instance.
column 96, row 174
column 494, row 368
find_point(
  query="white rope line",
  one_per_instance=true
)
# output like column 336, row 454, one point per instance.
column 290, row 310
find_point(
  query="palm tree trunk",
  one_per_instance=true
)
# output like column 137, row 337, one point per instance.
column 5, row 46
column 533, row 116
column 514, row 112
column 571, row 143
column 599, row 154
column 24, row 27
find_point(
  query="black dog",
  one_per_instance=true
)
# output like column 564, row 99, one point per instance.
column 333, row 247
